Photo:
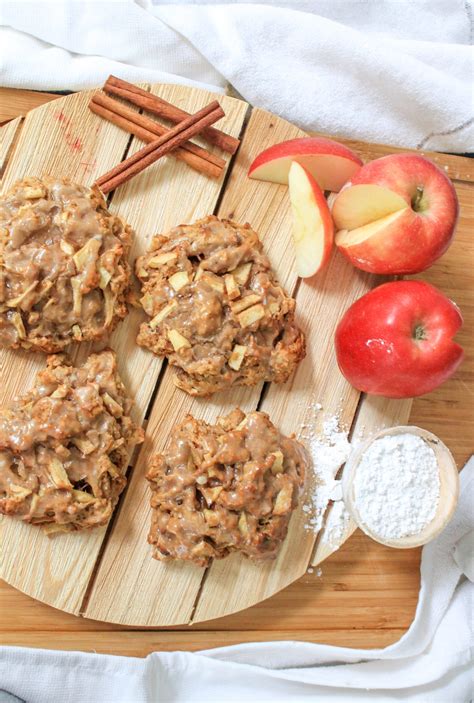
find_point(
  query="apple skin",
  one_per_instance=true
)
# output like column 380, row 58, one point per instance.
column 313, row 229
column 376, row 341
column 330, row 163
column 424, row 232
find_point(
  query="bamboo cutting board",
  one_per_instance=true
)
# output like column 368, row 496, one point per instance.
column 108, row 574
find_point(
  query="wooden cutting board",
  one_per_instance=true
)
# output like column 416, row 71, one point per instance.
column 108, row 574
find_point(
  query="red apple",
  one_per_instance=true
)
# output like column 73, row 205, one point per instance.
column 331, row 164
column 397, row 340
column 313, row 230
column 396, row 216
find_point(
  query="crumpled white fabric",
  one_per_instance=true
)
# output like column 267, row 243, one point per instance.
column 394, row 71
column 431, row 663
column 397, row 72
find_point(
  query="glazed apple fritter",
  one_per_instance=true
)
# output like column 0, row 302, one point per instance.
column 63, row 265
column 64, row 446
column 216, row 309
column 222, row 488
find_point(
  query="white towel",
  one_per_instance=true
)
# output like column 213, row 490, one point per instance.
column 394, row 71
column 432, row 662
column 397, row 72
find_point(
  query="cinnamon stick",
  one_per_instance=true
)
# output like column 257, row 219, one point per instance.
column 162, row 108
column 147, row 129
column 195, row 162
column 174, row 138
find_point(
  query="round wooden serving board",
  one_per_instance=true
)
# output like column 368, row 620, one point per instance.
column 108, row 574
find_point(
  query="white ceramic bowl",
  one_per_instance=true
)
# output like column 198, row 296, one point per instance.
column 448, row 495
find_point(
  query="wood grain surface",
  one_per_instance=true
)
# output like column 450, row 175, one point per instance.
column 16, row 103
column 366, row 594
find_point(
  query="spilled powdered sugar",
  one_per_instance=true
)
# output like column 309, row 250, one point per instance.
column 396, row 487
column 329, row 450
column 338, row 523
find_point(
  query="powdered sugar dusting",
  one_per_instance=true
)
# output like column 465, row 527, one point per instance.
column 329, row 450
column 337, row 524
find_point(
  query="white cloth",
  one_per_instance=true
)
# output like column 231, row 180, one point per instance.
column 394, row 71
column 397, row 72
column 431, row 663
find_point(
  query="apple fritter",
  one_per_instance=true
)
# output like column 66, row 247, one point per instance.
column 222, row 488
column 63, row 265
column 216, row 309
column 64, row 446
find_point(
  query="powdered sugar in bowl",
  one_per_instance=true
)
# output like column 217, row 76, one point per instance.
column 401, row 486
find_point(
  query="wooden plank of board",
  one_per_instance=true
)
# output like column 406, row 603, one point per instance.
column 8, row 134
column 149, row 202
column 163, row 196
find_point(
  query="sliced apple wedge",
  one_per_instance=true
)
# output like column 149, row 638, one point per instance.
column 358, row 205
column 379, row 246
column 352, row 237
column 313, row 230
column 331, row 164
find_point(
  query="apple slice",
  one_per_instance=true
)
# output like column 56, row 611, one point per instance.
column 331, row 164
column 351, row 237
column 358, row 205
column 313, row 230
